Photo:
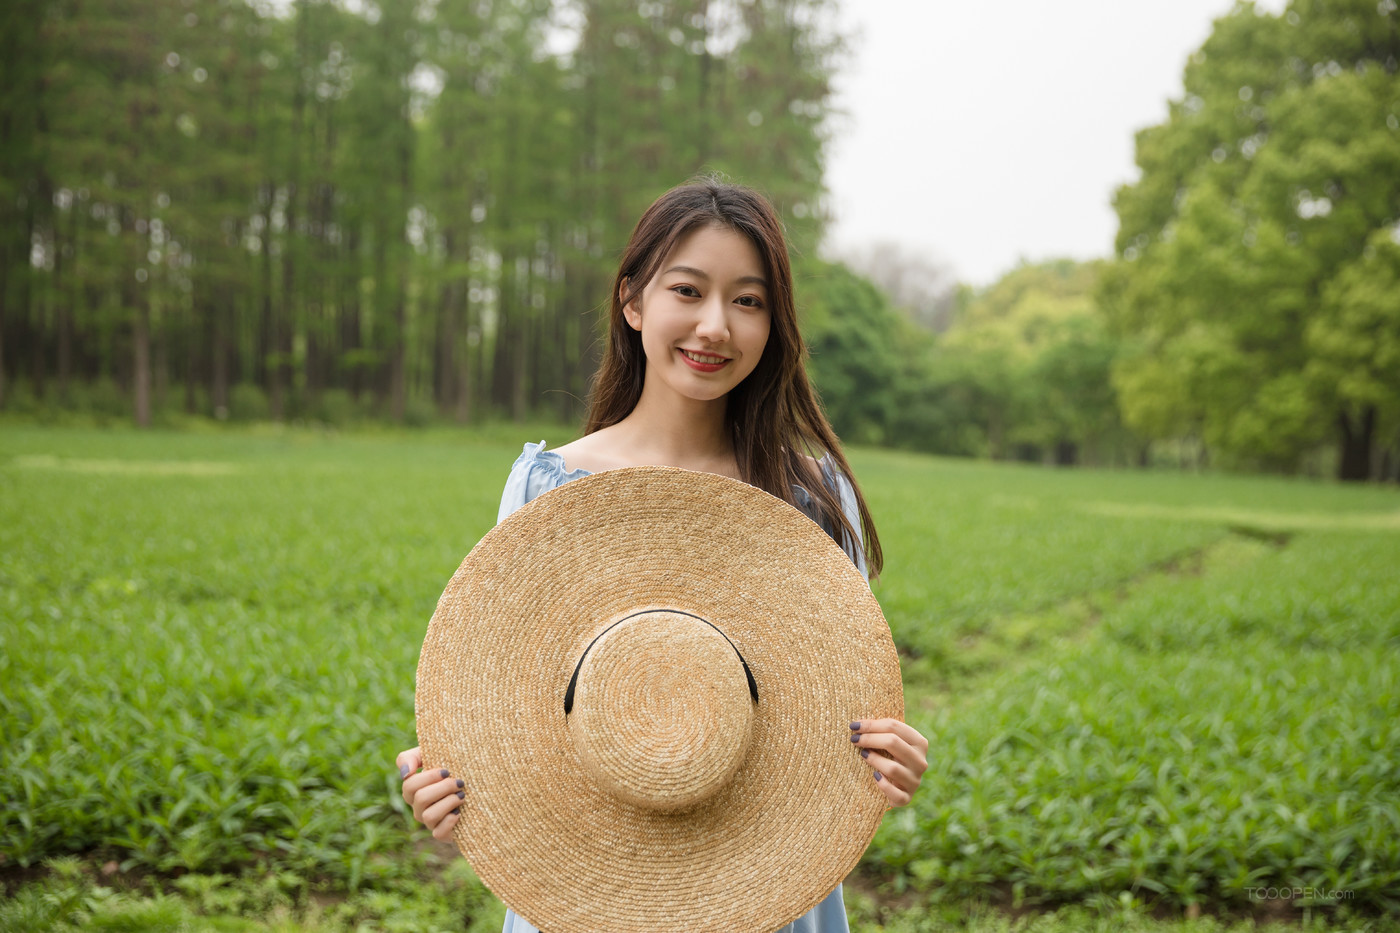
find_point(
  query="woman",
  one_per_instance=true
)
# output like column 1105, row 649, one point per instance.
column 704, row 371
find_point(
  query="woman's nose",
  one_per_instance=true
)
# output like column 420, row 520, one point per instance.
column 714, row 322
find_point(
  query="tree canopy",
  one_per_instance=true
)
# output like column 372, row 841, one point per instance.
column 1254, row 252
column 293, row 209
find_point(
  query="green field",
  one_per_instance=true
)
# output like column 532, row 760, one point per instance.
column 1147, row 695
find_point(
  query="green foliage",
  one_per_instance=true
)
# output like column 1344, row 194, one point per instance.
column 1271, row 179
column 1025, row 366
column 1024, row 369
column 1177, row 724
column 864, row 354
column 70, row 899
column 213, row 745
column 401, row 201
column 1355, row 338
column 207, row 645
column 248, row 402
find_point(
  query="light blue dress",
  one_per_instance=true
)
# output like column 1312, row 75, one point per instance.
column 537, row 471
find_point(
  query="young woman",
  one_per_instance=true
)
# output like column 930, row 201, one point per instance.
column 704, row 371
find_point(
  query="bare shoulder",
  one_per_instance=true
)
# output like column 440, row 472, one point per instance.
column 594, row 452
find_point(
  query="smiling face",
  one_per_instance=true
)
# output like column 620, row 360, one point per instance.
column 704, row 316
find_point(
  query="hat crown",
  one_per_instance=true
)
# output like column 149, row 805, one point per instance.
column 662, row 712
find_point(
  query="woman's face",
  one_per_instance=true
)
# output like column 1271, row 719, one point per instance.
column 704, row 316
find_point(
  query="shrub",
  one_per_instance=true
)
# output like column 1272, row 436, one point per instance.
column 247, row 402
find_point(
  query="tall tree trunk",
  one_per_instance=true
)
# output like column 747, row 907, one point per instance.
column 397, row 374
column 279, row 320
column 507, row 333
column 351, row 340
column 32, row 310
column 466, row 375
column 398, row 387
column 444, row 370
column 218, row 364
column 63, row 310
column 160, row 361
column 445, row 349
column 1357, row 434
column 139, row 304
column 520, row 363
column 192, row 347
column 38, row 349
column 280, row 324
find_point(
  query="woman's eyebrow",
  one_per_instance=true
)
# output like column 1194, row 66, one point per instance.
column 700, row 273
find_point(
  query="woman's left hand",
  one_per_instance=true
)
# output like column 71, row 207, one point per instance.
column 896, row 752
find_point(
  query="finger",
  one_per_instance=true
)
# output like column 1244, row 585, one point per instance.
column 891, row 771
column 409, row 761
column 444, row 829
column 428, row 789
column 442, row 809
column 434, row 794
column 894, row 746
column 902, row 729
column 894, row 794
column 416, row 782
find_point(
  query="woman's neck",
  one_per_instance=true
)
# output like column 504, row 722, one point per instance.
column 676, row 431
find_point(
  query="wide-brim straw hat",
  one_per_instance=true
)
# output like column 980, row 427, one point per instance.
column 645, row 678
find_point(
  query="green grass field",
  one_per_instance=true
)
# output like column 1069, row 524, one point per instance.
column 1148, row 695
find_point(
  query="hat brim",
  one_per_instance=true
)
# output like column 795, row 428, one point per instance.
column 501, row 648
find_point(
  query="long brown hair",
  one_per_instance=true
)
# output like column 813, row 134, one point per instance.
column 776, row 421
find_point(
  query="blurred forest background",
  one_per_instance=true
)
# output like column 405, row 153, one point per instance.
column 334, row 211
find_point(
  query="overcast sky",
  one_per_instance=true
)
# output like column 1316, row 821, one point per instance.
column 981, row 133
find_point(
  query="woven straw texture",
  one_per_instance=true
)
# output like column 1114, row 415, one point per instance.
column 667, row 798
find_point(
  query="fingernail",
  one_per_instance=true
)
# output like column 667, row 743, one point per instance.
column 444, row 772
column 461, row 795
column 458, row 811
column 855, row 725
column 865, row 753
column 461, row 783
column 879, row 776
column 855, row 738
column 403, row 772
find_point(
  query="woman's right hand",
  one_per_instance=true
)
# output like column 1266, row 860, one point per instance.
column 435, row 796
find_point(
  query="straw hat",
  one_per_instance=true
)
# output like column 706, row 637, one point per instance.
column 645, row 678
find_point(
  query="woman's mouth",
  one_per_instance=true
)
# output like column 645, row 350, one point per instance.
column 703, row 362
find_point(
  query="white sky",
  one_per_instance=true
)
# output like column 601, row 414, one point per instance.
column 980, row 133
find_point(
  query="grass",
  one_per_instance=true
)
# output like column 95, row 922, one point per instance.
column 1144, row 692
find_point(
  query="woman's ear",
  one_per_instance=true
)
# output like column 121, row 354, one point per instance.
column 632, row 311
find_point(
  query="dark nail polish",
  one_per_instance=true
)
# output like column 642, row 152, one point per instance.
column 879, row 776
column 458, row 811
column 855, row 738
column 461, row 795
column 855, row 725
column 403, row 772
column 865, row 753
column 461, row 783
column 444, row 772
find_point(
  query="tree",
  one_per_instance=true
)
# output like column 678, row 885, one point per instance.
column 1266, row 184
column 1354, row 350
column 23, row 61
column 306, row 208
column 1028, row 360
column 856, row 342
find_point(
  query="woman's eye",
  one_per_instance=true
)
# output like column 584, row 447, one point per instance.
column 687, row 291
column 749, row 301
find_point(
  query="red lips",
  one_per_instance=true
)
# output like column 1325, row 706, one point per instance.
column 702, row 367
